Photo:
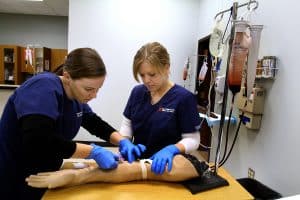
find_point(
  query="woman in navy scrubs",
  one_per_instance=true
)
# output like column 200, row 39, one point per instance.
column 161, row 117
column 42, row 117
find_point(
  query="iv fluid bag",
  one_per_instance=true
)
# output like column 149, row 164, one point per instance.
column 185, row 73
column 203, row 72
column 215, row 42
column 255, row 32
column 238, row 58
column 237, row 61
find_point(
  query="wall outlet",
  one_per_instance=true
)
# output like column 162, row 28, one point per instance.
column 251, row 173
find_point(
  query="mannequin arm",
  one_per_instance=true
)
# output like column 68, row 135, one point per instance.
column 125, row 172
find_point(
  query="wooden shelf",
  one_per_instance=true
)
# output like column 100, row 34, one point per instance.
column 15, row 69
column 8, row 86
column 10, row 64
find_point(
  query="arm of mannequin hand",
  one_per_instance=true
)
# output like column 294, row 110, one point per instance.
column 182, row 170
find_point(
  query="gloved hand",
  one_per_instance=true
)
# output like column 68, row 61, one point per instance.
column 104, row 158
column 162, row 158
column 130, row 151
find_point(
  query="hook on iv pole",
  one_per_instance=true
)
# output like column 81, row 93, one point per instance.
column 242, row 5
column 249, row 5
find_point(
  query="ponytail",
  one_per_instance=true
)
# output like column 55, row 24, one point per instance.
column 59, row 70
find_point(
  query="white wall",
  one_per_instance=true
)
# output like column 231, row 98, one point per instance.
column 4, row 95
column 273, row 150
column 19, row 29
column 47, row 31
column 104, row 25
column 117, row 29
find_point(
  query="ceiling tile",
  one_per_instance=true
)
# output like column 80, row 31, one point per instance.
column 46, row 7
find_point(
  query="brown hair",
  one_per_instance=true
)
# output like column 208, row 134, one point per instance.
column 83, row 63
column 154, row 53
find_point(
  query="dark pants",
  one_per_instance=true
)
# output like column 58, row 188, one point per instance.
column 13, row 189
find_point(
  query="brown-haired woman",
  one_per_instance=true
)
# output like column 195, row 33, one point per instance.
column 42, row 117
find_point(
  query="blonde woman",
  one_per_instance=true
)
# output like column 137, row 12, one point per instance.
column 160, row 119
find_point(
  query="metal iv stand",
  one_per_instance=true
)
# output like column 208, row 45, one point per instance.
column 233, row 11
column 210, row 178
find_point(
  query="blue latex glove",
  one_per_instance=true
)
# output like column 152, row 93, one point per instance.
column 129, row 151
column 162, row 158
column 104, row 158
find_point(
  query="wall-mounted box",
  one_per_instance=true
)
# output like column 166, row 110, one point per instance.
column 251, row 120
column 255, row 104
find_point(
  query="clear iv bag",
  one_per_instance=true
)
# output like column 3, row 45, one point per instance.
column 255, row 32
column 216, row 45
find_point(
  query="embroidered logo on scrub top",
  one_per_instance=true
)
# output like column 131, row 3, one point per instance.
column 79, row 114
column 170, row 110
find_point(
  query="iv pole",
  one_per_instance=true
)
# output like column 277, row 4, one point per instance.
column 239, row 6
column 211, row 179
column 223, row 111
column 233, row 10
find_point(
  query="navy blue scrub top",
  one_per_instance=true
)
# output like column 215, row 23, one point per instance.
column 163, row 123
column 42, row 94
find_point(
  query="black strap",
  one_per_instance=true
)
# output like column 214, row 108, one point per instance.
column 200, row 166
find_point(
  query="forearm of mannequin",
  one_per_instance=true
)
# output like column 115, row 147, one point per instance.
column 125, row 172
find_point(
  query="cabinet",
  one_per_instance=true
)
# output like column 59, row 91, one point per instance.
column 34, row 61
column 58, row 57
column 10, row 65
column 16, row 65
column 42, row 59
